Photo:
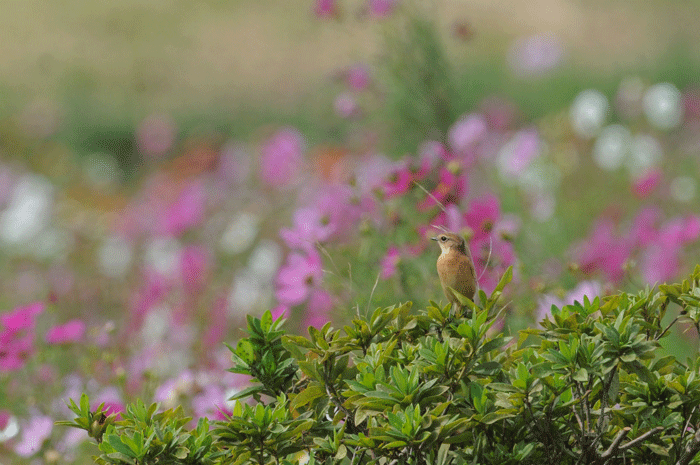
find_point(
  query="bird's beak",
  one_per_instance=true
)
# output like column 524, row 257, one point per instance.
column 434, row 238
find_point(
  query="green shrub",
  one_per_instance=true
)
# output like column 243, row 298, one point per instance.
column 429, row 387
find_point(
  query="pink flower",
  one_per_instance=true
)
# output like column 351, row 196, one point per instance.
column 647, row 183
column 17, row 336
column 320, row 304
column 156, row 135
column 298, row 277
column 112, row 401
column 325, row 8
column 451, row 219
column 372, row 172
column 645, row 226
column 34, row 433
column 73, row 331
column 22, row 317
column 517, row 155
column 187, row 211
column 604, row 250
column 466, row 132
column 659, row 263
column 310, row 227
column 482, row 215
column 193, row 267
column 281, row 157
column 358, row 77
column 451, row 188
column 279, row 310
column 382, row 8
column 400, row 181
column 389, row 263
column 430, row 152
column 209, row 400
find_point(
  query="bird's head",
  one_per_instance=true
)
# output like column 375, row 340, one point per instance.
column 448, row 241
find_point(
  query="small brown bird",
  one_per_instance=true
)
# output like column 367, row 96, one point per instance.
column 455, row 268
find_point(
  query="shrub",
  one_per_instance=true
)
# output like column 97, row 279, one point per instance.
column 592, row 386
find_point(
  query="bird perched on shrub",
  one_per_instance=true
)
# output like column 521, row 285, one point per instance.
column 455, row 268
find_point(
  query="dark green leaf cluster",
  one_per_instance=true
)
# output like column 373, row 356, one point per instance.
column 146, row 436
column 432, row 387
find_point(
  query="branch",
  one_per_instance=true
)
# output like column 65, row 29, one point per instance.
column 616, row 443
column 641, row 438
column 691, row 450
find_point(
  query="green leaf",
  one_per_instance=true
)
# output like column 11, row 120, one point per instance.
column 311, row 393
column 117, row 444
column 266, row 321
column 245, row 350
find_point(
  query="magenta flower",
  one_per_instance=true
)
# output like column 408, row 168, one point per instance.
column 400, row 181
column 22, row 317
column 604, row 250
column 645, row 227
column 451, row 188
column 281, row 157
column 156, row 135
column 647, row 183
column 482, row 215
column 389, row 262
column 194, row 260
column 451, row 219
column 73, row 331
column 320, row 304
column 492, row 256
column 325, row 8
column 382, row 8
column 659, row 263
column 298, row 277
column 430, row 152
column 279, row 310
column 112, row 401
column 17, row 336
column 186, row 212
column 358, row 77
column 210, row 400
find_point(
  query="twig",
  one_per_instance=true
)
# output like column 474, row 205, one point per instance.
column 442, row 207
column 691, row 450
column 616, row 443
column 667, row 328
column 641, row 438
column 369, row 302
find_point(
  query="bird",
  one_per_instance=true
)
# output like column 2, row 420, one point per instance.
column 455, row 268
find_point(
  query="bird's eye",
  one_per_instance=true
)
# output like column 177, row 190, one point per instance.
column 443, row 238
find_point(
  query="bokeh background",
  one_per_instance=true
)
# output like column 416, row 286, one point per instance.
column 168, row 167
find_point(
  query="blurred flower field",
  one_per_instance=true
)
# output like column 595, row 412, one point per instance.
column 130, row 255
